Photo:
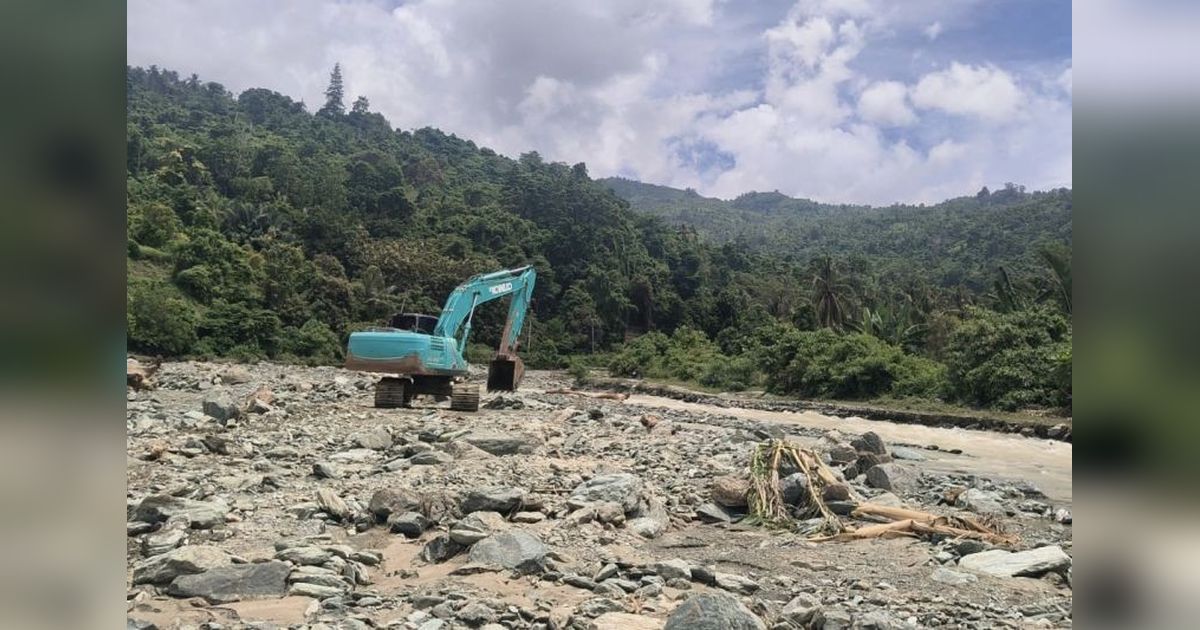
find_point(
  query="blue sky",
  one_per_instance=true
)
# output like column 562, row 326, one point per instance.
column 858, row 101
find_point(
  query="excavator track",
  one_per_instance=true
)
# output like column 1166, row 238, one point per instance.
column 391, row 393
column 465, row 397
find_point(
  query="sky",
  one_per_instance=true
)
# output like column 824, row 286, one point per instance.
column 841, row 101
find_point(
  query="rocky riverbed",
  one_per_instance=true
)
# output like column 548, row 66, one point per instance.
column 277, row 496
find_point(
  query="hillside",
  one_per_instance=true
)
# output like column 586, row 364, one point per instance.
column 958, row 241
column 257, row 229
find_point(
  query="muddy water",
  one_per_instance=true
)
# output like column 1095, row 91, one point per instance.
column 1046, row 463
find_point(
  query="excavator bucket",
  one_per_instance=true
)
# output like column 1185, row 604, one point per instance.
column 504, row 373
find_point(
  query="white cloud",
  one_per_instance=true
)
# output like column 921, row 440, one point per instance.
column 933, row 31
column 886, row 102
column 983, row 91
column 624, row 85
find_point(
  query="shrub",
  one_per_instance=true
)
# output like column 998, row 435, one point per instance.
column 158, row 320
column 731, row 374
column 1011, row 360
column 824, row 363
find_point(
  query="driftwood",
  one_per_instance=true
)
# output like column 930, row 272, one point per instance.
column 914, row 523
column 140, row 375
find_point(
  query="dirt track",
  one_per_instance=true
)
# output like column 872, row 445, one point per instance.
column 258, row 469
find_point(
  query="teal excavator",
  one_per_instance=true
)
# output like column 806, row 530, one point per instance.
column 422, row 354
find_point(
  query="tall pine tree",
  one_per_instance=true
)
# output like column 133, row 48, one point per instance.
column 334, row 93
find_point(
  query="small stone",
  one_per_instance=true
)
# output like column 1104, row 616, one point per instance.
column 387, row 501
column 910, row 454
column 221, row 407
column 410, row 524
column 949, row 576
column 493, row 499
column 440, row 549
column 200, row 514
column 304, row 555
column 377, row 438
column 528, row 517
column 316, row 591
column 794, row 488
column 605, row 572
column 674, row 568
column 736, row 583
column 712, row 513
column 475, row 614
column 578, row 581
column 476, row 526
column 730, row 491
column 801, row 609
column 506, row 443
column 833, row 620
column 431, row 458
column 326, row 470
column 980, row 502
column 236, row 375
column 332, row 504
column 713, row 611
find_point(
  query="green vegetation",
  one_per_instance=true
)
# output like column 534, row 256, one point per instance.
column 259, row 230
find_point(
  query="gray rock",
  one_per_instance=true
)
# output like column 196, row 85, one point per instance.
column 605, row 572
column 712, row 513
column 332, row 504
column 440, row 549
column 236, row 375
column 801, row 609
column 980, row 502
column 597, row 606
column 475, row 614
column 431, row 458
column 221, row 407
column 578, row 581
column 735, row 583
column 628, row 586
column 1002, row 563
column 326, row 470
column 623, row 488
column 304, row 555
column 713, row 611
column 493, row 499
column 503, row 443
column 163, row 568
column 910, row 454
column 476, row 526
column 164, row 540
column 201, row 514
column 608, row 589
column 881, row 620
column 393, row 500
column 513, row 549
column 833, row 620
column 377, row 438
column 673, row 568
column 842, row 454
column 894, row 477
column 793, row 488
column 528, row 517
column 869, row 442
column 410, row 524
column 966, row 546
column 316, row 591
column 234, row 582
column 650, row 521
column 950, row 576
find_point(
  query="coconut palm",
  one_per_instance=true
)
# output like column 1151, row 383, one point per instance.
column 831, row 294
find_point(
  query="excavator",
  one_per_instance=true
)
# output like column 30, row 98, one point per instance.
column 424, row 355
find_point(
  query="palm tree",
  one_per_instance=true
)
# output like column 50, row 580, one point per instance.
column 1058, row 259
column 830, row 296
column 1005, row 294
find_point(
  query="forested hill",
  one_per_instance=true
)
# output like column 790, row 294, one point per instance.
column 260, row 229
column 958, row 241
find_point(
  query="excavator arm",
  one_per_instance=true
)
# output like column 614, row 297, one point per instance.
column 506, row 369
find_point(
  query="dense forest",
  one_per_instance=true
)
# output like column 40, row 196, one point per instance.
column 257, row 229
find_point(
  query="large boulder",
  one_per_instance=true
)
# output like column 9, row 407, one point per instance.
column 512, row 549
column 794, row 488
column 893, row 477
column 390, row 501
column 622, row 488
column 650, row 520
column 476, row 526
column 869, row 442
column 506, row 443
column 163, row 568
column 713, row 611
column 201, row 514
column 493, row 499
column 234, row 582
column 1002, row 563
